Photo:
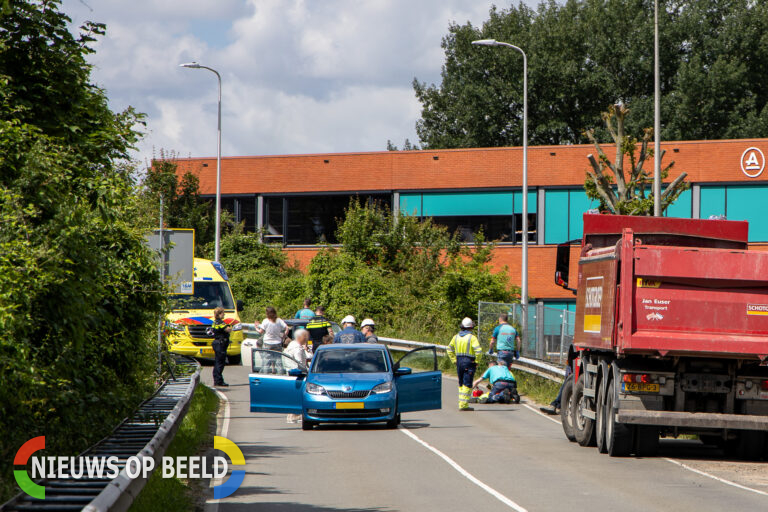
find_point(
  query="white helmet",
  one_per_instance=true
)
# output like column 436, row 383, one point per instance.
column 349, row 319
column 367, row 322
column 467, row 323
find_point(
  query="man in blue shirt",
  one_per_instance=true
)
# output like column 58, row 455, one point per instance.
column 504, row 385
column 349, row 334
column 306, row 312
column 506, row 340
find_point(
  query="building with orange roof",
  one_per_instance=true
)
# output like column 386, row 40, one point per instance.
column 297, row 198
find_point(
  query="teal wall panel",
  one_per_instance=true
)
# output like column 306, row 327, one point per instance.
column 467, row 203
column 531, row 201
column 579, row 204
column 712, row 201
column 555, row 216
column 410, row 204
column 682, row 207
column 749, row 203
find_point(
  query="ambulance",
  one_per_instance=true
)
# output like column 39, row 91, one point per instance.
column 188, row 326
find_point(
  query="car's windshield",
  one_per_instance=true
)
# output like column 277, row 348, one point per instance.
column 207, row 295
column 350, row 361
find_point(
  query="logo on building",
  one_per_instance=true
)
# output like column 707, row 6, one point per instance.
column 752, row 162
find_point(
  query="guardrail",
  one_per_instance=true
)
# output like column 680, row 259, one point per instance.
column 533, row 366
column 146, row 434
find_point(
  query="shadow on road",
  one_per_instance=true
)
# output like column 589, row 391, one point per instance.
column 695, row 450
column 296, row 507
column 263, row 451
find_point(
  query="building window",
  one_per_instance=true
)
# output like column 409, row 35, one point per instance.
column 738, row 202
column 242, row 209
column 682, row 207
column 309, row 220
column 497, row 213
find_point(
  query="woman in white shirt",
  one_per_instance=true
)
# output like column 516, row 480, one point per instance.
column 297, row 349
column 273, row 329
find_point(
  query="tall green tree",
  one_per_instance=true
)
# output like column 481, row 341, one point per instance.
column 585, row 54
column 79, row 290
column 182, row 205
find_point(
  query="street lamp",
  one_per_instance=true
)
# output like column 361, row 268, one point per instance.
column 524, row 283
column 656, row 115
column 195, row 65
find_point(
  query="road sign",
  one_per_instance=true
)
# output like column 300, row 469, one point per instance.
column 178, row 250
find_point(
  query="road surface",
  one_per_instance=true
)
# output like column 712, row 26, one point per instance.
column 499, row 457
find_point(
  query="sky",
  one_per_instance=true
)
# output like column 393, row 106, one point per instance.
column 298, row 76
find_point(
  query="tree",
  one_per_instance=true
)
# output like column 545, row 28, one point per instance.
column 79, row 290
column 626, row 195
column 182, row 205
column 585, row 54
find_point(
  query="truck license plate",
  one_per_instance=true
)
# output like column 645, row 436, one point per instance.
column 640, row 387
column 350, row 405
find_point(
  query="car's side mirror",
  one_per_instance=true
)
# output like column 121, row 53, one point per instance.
column 240, row 306
column 402, row 371
column 296, row 372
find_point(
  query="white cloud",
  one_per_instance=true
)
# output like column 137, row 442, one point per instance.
column 299, row 76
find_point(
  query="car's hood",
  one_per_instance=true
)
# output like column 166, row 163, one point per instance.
column 357, row 381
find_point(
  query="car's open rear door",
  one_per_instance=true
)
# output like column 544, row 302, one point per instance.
column 420, row 390
column 272, row 389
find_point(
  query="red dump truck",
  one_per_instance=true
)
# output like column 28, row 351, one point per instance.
column 671, row 336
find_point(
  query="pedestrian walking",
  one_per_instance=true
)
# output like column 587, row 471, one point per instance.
column 306, row 312
column 273, row 328
column 464, row 350
column 367, row 327
column 506, row 340
column 220, row 331
column 348, row 332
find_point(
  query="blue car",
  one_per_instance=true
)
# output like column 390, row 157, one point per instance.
column 352, row 383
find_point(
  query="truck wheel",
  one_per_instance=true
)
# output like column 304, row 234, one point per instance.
column 751, row 444
column 600, row 421
column 234, row 359
column 618, row 436
column 565, row 408
column 647, row 441
column 583, row 427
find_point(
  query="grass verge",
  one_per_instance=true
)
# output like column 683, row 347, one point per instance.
column 194, row 437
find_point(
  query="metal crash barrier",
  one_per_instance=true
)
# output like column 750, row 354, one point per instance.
column 146, row 434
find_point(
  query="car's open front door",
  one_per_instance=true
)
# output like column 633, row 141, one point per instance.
column 272, row 389
column 421, row 389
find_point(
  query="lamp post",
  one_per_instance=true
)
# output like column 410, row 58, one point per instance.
column 656, row 115
column 524, row 278
column 195, row 65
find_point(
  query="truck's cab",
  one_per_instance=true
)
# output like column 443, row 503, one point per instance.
column 188, row 325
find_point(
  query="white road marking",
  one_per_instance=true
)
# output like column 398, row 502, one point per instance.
column 222, row 429
column 493, row 492
column 550, row 418
column 713, row 477
column 678, row 463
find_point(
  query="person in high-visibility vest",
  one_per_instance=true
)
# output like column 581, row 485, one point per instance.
column 464, row 350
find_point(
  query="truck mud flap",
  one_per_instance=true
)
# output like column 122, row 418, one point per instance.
column 693, row 419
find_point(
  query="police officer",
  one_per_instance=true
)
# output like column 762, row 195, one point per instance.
column 463, row 351
column 221, row 332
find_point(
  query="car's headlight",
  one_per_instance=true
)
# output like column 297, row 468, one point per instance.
column 237, row 327
column 314, row 389
column 384, row 387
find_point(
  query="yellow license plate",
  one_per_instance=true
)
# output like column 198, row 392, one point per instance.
column 350, row 405
column 206, row 351
column 642, row 388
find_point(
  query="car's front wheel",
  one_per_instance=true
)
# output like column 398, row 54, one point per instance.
column 394, row 422
column 307, row 424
